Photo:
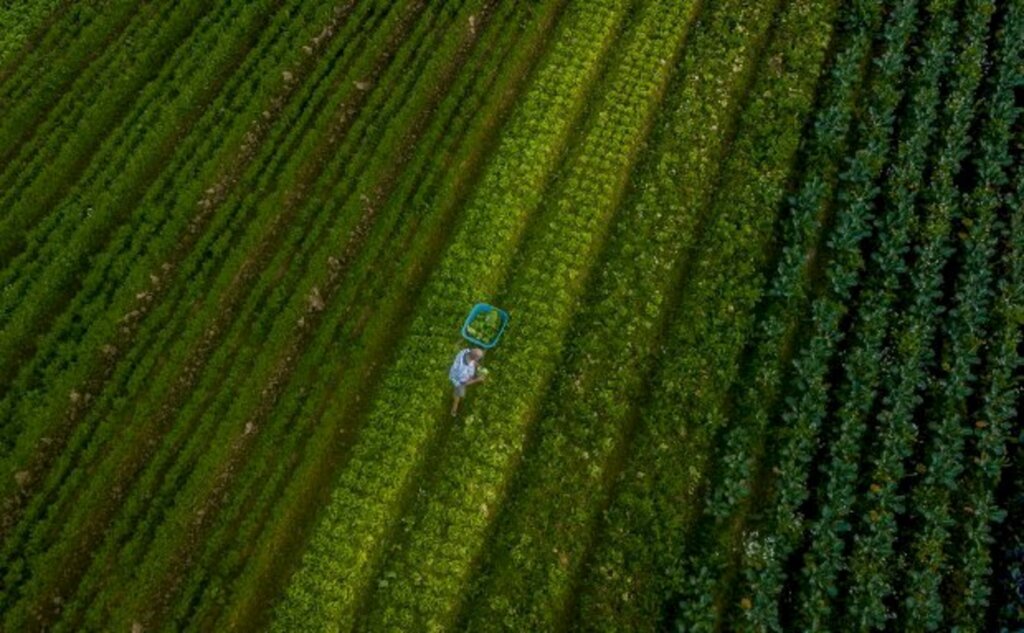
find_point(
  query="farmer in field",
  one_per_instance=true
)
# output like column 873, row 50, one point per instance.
column 464, row 373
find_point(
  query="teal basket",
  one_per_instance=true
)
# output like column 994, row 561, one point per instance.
column 479, row 310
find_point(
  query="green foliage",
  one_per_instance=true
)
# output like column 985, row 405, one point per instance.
column 764, row 260
column 713, row 548
column 485, row 327
column 767, row 544
column 336, row 570
column 21, row 21
column 862, row 364
column 871, row 561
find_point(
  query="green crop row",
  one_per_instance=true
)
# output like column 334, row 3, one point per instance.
column 966, row 330
column 133, row 447
column 80, row 45
column 156, row 268
column 119, row 241
column 526, row 582
column 322, row 413
column 113, row 148
column 49, row 42
column 61, row 148
column 862, row 362
column 632, row 569
column 116, row 315
column 21, row 21
column 161, row 119
column 199, row 257
column 471, row 474
column 770, row 540
column 336, row 570
column 711, row 551
column 289, row 427
column 39, row 26
column 130, row 160
column 871, row 571
column 115, row 58
column 271, row 365
column 105, row 333
column 970, row 584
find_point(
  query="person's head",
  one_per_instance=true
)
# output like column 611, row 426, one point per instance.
column 476, row 354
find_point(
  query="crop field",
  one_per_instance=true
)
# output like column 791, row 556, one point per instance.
column 762, row 264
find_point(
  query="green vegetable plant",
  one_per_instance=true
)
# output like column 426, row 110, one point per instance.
column 862, row 363
column 555, row 266
column 967, row 329
column 140, row 369
column 711, row 552
column 768, row 541
column 969, row 585
column 871, row 571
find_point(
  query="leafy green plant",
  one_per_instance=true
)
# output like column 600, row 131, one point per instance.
column 871, row 573
column 485, row 327
column 863, row 362
column 767, row 542
column 712, row 551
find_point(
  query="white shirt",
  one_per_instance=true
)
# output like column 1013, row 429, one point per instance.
column 462, row 370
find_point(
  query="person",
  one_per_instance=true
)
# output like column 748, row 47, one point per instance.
column 464, row 373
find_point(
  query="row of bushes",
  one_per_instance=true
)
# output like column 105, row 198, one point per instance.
column 969, row 585
column 135, row 270
column 896, row 228
column 165, row 115
column 251, row 350
column 89, row 339
column 711, row 552
column 771, row 537
column 871, row 570
column 967, row 330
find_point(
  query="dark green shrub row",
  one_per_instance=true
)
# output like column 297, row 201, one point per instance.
column 711, row 552
column 871, row 569
column 46, row 35
column 862, row 363
column 966, row 329
column 129, row 458
column 970, row 584
column 770, row 539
